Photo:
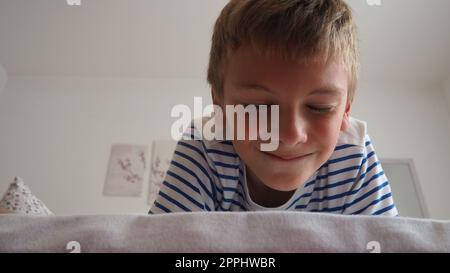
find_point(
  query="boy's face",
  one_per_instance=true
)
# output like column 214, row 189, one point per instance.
column 313, row 109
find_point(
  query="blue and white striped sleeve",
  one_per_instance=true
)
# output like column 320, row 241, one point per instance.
column 373, row 194
column 188, row 185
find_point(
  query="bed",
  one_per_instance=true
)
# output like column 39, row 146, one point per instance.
column 222, row 232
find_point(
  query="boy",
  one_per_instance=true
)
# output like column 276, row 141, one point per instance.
column 301, row 55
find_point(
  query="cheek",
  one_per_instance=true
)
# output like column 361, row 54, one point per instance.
column 245, row 150
column 243, row 131
column 326, row 132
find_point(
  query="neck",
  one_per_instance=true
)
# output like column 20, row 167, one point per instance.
column 263, row 195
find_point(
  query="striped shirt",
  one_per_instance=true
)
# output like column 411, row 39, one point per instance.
column 210, row 176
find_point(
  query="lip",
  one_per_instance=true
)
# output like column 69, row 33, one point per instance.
column 287, row 158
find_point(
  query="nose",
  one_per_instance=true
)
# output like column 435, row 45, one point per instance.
column 292, row 127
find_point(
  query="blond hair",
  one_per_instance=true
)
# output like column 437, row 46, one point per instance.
column 308, row 30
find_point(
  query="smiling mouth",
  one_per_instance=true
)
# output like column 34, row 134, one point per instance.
column 287, row 158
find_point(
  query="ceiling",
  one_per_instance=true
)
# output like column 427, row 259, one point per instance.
column 401, row 40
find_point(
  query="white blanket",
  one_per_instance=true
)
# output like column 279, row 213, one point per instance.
column 223, row 232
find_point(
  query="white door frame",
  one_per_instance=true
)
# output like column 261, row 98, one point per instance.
column 415, row 178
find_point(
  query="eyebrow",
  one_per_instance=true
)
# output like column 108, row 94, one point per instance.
column 327, row 90
column 324, row 90
column 253, row 86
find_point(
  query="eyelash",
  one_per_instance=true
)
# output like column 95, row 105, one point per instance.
column 320, row 110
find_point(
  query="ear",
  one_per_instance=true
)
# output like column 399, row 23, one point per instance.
column 346, row 119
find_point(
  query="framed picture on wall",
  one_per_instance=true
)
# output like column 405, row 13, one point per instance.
column 162, row 152
column 127, row 170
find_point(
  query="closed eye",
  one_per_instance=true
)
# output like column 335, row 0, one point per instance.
column 320, row 109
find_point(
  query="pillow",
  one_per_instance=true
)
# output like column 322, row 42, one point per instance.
column 19, row 199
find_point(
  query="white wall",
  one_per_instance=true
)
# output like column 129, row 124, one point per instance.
column 412, row 121
column 3, row 79
column 56, row 133
column 447, row 93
